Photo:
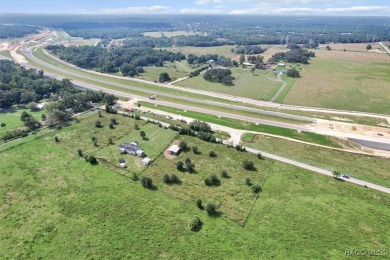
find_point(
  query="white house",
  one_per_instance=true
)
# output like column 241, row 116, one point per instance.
column 174, row 150
column 146, row 161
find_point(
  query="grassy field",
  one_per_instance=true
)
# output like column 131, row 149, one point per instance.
column 289, row 85
column 245, row 84
column 54, row 205
column 233, row 197
column 237, row 124
column 6, row 54
column 12, row 118
column 369, row 168
column 175, row 70
column 220, row 50
column 349, row 85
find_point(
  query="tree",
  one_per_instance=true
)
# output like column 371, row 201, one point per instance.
column 80, row 152
column 3, row 125
column 183, row 145
column 110, row 141
column 242, row 58
column 164, row 77
column 195, row 224
column 212, row 154
column 260, row 156
column 256, row 188
column 98, row 124
column 92, row 160
column 212, row 181
column 180, row 166
column 32, row 106
column 199, row 204
column 211, row 209
column 293, row 73
column 142, row 134
column 24, row 115
column 224, row 174
column 147, row 182
column 328, row 48
column 43, row 117
column 253, row 69
column 369, row 47
column 248, row 181
column 248, row 165
column 56, row 139
column 195, row 149
column 200, row 126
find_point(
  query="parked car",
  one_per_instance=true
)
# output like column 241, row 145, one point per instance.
column 345, row 176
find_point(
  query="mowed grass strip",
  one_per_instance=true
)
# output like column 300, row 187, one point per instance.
column 368, row 168
column 244, row 125
column 233, row 197
column 53, row 204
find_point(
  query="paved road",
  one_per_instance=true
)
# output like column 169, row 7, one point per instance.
column 28, row 54
column 384, row 47
column 372, row 144
column 280, row 90
column 319, row 170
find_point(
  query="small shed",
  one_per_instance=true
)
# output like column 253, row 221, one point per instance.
column 146, row 161
column 282, row 65
column 140, row 153
column 174, row 150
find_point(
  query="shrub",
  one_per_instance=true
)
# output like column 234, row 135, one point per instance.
column 188, row 160
column 248, row 165
column 95, row 143
column 93, row 138
column 80, row 152
column 190, row 167
column 248, row 181
column 256, row 188
column 142, row 134
column 180, row 166
column 175, row 179
column 111, row 125
column 200, row 126
column 224, row 174
column 98, row 124
column 113, row 121
column 195, row 223
column 212, row 154
column 86, row 158
column 199, row 204
column 212, row 181
column 136, row 127
column 260, row 156
column 135, row 177
column 110, row 141
column 147, row 182
column 100, row 114
column 166, row 179
column 183, row 145
column 56, row 139
column 195, row 149
column 211, row 209
column 92, row 160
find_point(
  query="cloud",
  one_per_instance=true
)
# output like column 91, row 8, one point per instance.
column 138, row 10
column 200, row 11
column 309, row 10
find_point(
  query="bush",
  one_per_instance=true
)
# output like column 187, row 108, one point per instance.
column 224, row 174
column 256, row 188
column 200, row 126
column 248, row 165
column 248, row 181
column 260, row 156
column 211, row 209
column 100, row 114
column 56, row 139
column 212, row 181
column 98, row 124
column 111, row 125
column 92, row 160
column 110, row 141
column 188, row 160
column 135, row 177
column 166, row 179
column 195, row 223
column 195, row 149
column 80, row 152
column 113, row 121
column 240, row 148
column 147, row 182
column 212, row 154
column 190, row 167
column 183, row 145
column 199, row 204
column 180, row 166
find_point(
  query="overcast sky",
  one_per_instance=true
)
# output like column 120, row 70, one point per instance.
column 257, row 7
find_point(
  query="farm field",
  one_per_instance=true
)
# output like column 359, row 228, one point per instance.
column 369, row 168
column 225, row 50
column 352, row 55
column 245, row 84
column 343, row 84
column 54, row 204
column 12, row 119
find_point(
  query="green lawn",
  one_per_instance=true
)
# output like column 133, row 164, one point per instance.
column 341, row 84
column 54, row 205
column 174, row 69
column 12, row 119
column 368, row 168
column 245, row 84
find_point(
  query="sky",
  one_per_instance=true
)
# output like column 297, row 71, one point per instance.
column 249, row 7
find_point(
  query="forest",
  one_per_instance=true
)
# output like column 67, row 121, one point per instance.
column 128, row 60
column 16, row 30
column 293, row 56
